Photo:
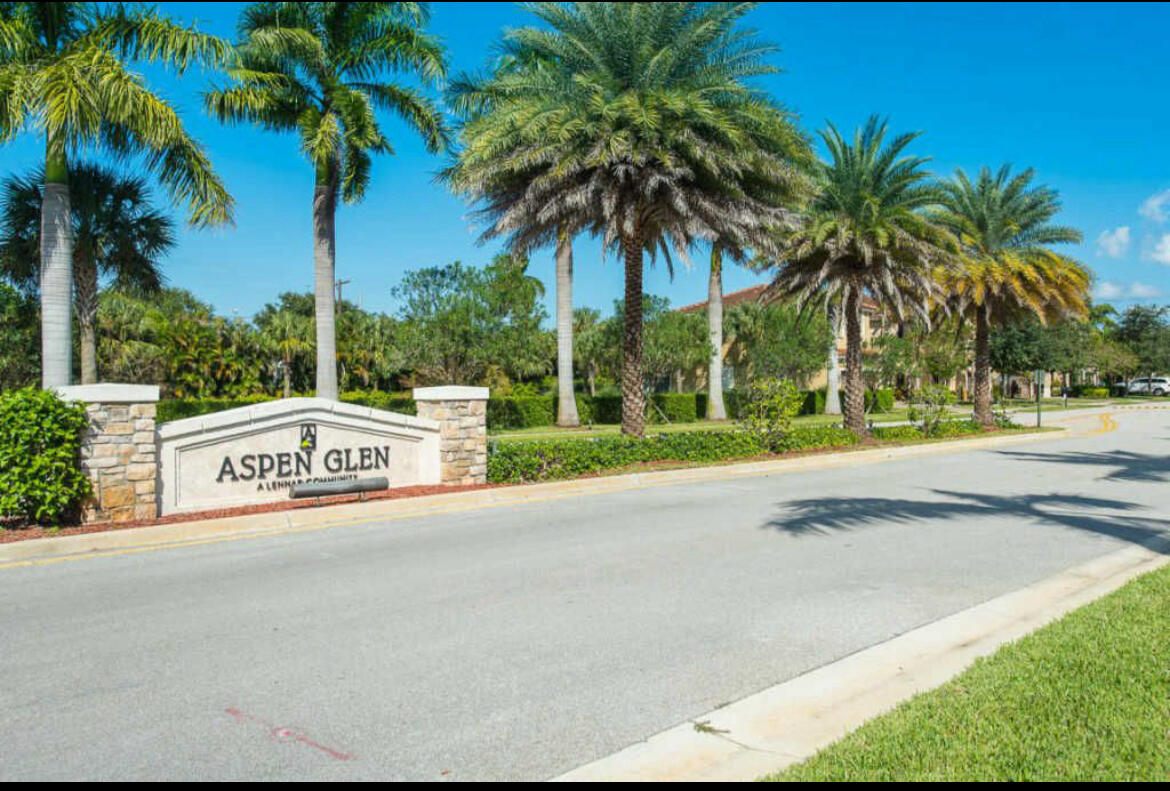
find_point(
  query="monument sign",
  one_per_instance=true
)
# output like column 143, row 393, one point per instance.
column 258, row 453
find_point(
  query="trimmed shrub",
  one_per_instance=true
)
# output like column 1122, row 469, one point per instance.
column 881, row 400
column 521, row 412
column 769, row 413
column 527, row 461
column 377, row 399
column 928, row 409
column 605, row 409
column 677, row 407
column 814, row 403
column 956, row 428
column 892, row 433
column 40, row 442
column 1092, row 392
column 179, row 408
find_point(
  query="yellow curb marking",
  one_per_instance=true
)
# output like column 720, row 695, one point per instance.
column 1108, row 424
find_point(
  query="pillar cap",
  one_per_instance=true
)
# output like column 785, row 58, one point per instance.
column 451, row 393
column 109, row 393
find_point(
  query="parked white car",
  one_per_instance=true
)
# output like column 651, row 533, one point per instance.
column 1156, row 385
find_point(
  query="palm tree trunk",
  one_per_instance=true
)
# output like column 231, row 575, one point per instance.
column 288, row 379
column 833, row 379
column 566, row 397
column 56, row 272
column 633, row 398
column 854, row 383
column 982, row 394
column 715, row 407
column 87, row 304
column 324, row 260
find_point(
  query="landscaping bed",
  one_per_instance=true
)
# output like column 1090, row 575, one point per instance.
column 531, row 461
column 606, row 456
column 14, row 531
column 1085, row 698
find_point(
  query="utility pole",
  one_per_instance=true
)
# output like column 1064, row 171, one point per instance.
column 338, row 286
column 1039, row 394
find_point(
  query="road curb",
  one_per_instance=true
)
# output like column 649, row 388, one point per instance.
column 791, row 721
column 182, row 534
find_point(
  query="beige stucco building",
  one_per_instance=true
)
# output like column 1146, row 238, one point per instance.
column 873, row 323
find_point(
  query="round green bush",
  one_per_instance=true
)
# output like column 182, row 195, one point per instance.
column 40, row 441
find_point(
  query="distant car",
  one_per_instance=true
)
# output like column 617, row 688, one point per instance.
column 1156, row 385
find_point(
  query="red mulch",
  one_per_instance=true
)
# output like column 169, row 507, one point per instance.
column 19, row 533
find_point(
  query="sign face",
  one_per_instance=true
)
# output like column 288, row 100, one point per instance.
column 256, row 454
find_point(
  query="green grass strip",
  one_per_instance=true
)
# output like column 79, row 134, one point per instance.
column 1085, row 698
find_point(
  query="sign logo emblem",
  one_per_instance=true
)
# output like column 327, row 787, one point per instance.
column 309, row 437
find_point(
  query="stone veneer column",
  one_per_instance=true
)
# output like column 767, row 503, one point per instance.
column 118, row 451
column 462, row 415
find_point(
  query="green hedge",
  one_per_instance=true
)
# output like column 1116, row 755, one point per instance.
column 677, row 407
column 600, row 410
column 177, row 409
column 528, row 461
column 524, row 461
column 40, row 444
column 376, row 399
column 521, row 412
column 517, row 412
column 881, row 400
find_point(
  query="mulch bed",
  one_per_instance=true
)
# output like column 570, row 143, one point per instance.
column 12, row 532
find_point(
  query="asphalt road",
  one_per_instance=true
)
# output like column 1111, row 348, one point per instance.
column 520, row 642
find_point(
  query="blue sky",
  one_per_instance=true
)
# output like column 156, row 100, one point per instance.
column 1076, row 91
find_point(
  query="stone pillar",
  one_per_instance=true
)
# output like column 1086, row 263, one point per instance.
column 462, row 415
column 118, row 451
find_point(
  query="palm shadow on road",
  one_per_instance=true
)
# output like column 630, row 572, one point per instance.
column 1127, row 465
column 823, row 516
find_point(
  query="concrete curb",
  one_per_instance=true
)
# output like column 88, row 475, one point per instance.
column 48, row 550
column 791, row 721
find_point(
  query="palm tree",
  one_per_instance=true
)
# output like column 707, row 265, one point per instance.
column 63, row 76
column 637, row 124
column 476, row 98
column 289, row 336
column 566, row 393
column 716, row 410
column 865, row 234
column 1002, row 223
column 315, row 69
column 116, row 233
column 833, row 369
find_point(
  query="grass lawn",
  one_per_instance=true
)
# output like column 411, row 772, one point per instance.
column 1055, row 404
column 1085, row 698
column 550, row 432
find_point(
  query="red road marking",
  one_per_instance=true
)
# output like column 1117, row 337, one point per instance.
column 285, row 734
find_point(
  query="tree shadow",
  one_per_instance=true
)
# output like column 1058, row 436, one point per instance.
column 826, row 516
column 1128, row 466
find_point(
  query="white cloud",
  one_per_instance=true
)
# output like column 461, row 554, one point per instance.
column 1113, row 244
column 1161, row 252
column 1108, row 290
column 1156, row 208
